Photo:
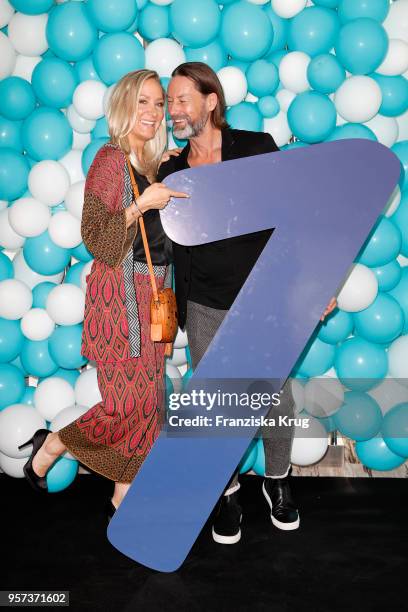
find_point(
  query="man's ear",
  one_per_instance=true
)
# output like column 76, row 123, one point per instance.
column 212, row 101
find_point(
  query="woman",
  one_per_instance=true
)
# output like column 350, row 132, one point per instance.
column 115, row 436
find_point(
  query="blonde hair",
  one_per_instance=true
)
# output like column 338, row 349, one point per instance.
column 121, row 116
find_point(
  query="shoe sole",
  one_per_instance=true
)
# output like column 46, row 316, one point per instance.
column 279, row 524
column 220, row 539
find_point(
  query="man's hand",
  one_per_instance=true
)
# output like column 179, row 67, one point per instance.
column 331, row 306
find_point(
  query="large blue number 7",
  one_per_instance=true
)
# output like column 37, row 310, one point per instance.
column 323, row 201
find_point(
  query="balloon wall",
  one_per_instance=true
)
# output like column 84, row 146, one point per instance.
column 306, row 72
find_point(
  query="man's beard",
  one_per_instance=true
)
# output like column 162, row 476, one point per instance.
column 192, row 129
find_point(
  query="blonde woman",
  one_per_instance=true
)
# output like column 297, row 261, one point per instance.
column 114, row 437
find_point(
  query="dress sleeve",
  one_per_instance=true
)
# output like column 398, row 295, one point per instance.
column 103, row 225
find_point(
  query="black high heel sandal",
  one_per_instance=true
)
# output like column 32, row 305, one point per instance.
column 39, row 483
column 110, row 509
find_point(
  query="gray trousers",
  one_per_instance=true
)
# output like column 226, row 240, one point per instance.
column 202, row 324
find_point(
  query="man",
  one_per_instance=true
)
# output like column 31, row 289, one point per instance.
column 209, row 277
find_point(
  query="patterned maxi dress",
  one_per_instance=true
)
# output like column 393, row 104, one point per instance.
column 114, row 437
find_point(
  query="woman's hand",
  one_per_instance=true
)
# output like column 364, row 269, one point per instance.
column 157, row 196
column 170, row 153
column 331, row 306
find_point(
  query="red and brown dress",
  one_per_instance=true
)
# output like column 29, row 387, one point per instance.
column 114, row 437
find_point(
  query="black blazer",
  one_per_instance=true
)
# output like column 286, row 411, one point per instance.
column 212, row 274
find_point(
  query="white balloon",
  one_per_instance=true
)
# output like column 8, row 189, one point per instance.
column 393, row 202
column 74, row 200
column 30, row 278
column 175, row 376
column 79, row 123
column 11, row 466
column 181, row 340
column 6, row 12
column 164, row 55
column 72, row 162
column 27, row 33
column 25, row 66
column 53, row 395
column 398, row 359
column 29, row 217
column 403, row 261
column 278, row 128
column 85, row 271
column 396, row 22
column 88, row 99
column 9, row 239
column 234, row 84
column 36, row 324
column 15, row 299
column 385, row 128
column 359, row 290
column 48, row 182
column 288, row 8
column 18, row 423
column 293, row 71
column 402, row 121
column 65, row 230
column 388, row 394
column 3, row 204
column 8, row 56
column 358, row 99
column 309, row 445
column 323, row 396
column 285, row 99
column 298, row 393
column 86, row 388
column 178, row 358
column 251, row 98
column 396, row 60
column 66, row 417
column 80, row 141
column 65, row 304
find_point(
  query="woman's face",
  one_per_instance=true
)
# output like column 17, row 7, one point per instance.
column 150, row 111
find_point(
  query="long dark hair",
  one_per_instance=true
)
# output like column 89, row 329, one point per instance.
column 206, row 82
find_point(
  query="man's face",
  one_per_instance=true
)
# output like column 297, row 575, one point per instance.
column 187, row 107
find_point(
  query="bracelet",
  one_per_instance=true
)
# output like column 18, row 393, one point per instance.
column 138, row 209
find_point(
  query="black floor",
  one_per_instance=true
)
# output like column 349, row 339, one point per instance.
column 350, row 552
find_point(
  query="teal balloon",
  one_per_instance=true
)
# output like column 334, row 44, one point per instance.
column 382, row 321
column 10, row 134
column 325, row 73
column 28, row 396
column 12, row 385
column 376, row 455
column 316, row 359
column 6, row 267
column 276, row 57
column 388, row 276
column 327, row 3
column 112, row 15
column 186, row 376
column 297, row 144
column 395, row 429
column 101, row 129
column 73, row 274
column 401, row 151
column 14, row 170
column 361, row 45
column 32, row 7
column 141, row 4
column 360, row 417
column 70, row 31
column 213, row 54
column 41, row 293
column 65, row 347
column 360, row 364
column 195, row 24
column 11, row 340
column 354, row 9
column 61, row 474
column 154, row 22
column 312, row 116
column 44, row 256
column 81, row 253
column 239, row 64
column 259, row 463
column 400, row 220
column 328, row 423
column 394, row 91
column 47, row 134
column 70, row 376
column 249, row 458
column 246, row 31
column 268, row 106
column 36, row 358
column 279, row 27
column 54, row 82
column 263, row 78
column 400, row 293
column 351, row 130
column 17, row 99
column 245, row 116
column 383, row 246
column 117, row 54
column 336, row 327
column 85, row 70
column 17, row 362
column 88, row 154
column 313, row 31
column 188, row 355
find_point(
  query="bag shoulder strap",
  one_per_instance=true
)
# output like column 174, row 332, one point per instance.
column 143, row 230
